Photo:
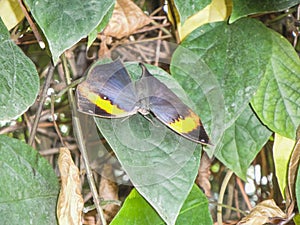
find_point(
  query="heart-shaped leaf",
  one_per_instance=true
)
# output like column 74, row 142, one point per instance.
column 241, row 142
column 208, row 66
column 19, row 81
column 277, row 100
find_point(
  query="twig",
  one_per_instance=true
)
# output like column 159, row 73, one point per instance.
column 229, row 207
column 70, row 86
column 229, row 200
column 54, row 121
column 79, row 135
column 166, row 31
column 156, row 11
column 296, row 32
column 236, row 200
column 12, row 128
column 53, row 151
column 154, row 27
column 28, row 122
column 158, row 46
column 32, row 25
column 245, row 196
column 41, row 104
column 221, row 196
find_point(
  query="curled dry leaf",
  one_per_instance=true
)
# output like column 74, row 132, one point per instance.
column 203, row 174
column 70, row 202
column 109, row 191
column 127, row 18
column 292, row 175
column 265, row 212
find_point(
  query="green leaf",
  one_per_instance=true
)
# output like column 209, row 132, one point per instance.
column 19, row 81
column 282, row 150
column 208, row 66
column 242, row 8
column 296, row 219
column 195, row 209
column 4, row 34
column 93, row 35
column 161, row 164
column 65, row 22
column 277, row 100
column 241, row 142
column 136, row 210
column 188, row 8
column 28, row 185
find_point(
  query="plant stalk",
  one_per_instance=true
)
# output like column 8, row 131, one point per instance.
column 79, row 136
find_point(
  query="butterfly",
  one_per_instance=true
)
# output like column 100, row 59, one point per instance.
column 109, row 92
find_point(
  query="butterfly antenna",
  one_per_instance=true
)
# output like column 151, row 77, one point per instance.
column 151, row 121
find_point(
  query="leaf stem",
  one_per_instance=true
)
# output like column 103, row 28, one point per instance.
column 79, row 136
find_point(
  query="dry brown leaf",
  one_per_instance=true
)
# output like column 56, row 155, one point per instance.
column 204, row 174
column 292, row 173
column 109, row 191
column 70, row 201
column 127, row 17
column 265, row 212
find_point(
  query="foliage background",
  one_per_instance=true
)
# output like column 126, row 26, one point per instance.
column 247, row 88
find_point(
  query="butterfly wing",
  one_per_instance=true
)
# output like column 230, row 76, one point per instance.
column 107, row 92
column 170, row 110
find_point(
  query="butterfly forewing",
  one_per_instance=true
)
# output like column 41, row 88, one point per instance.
column 107, row 92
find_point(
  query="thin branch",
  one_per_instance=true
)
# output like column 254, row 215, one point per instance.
column 245, row 196
column 221, row 196
column 79, row 136
column 42, row 99
column 32, row 25
column 54, row 121
column 229, row 207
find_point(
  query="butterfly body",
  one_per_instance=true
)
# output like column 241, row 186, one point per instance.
column 110, row 93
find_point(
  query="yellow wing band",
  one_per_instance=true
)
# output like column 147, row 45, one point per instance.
column 187, row 124
column 104, row 104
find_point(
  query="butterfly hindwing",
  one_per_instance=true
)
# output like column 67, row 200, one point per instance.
column 170, row 110
column 107, row 92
